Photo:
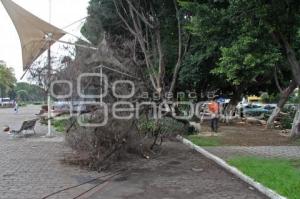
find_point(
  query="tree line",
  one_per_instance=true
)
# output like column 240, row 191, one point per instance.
column 21, row 91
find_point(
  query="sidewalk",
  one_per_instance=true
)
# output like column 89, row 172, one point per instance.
column 31, row 169
column 226, row 152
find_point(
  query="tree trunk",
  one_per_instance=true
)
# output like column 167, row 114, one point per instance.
column 283, row 99
column 292, row 59
column 273, row 116
column 296, row 124
column 230, row 110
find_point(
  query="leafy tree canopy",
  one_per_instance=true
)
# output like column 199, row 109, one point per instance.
column 7, row 80
column 237, row 42
column 28, row 92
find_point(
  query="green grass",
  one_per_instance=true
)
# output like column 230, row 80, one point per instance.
column 204, row 141
column 297, row 142
column 23, row 104
column 280, row 175
column 60, row 125
column 37, row 103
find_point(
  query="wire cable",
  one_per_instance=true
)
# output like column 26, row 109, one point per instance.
column 75, row 22
column 117, row 71
column 104, row 181
column 87, row 182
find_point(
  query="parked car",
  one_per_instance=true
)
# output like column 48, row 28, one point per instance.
column 6, row 102
column 256, row 110
column 270, row 106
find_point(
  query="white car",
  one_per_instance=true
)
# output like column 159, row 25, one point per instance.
column 6, row 102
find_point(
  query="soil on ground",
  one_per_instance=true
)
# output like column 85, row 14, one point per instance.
column 242, row 134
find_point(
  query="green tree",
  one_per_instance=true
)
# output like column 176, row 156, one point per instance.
column 226, row 53
column 252, row 40
column 28, row 92
column 7, row 80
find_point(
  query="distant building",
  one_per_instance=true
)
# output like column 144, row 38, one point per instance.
column 2, row 63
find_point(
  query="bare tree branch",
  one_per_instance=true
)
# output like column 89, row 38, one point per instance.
column 142, row 17
column 161, row 65
column 142, row 45
column 178, row 64
column 123, row 19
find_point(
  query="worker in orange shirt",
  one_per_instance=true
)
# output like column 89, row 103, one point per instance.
column 214, row 110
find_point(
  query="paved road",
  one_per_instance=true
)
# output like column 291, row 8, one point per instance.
column 226, row 152
column 30, row 168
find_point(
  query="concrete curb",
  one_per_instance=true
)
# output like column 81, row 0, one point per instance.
column 264, row 190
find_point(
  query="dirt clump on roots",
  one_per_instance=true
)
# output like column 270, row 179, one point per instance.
column 96, row 148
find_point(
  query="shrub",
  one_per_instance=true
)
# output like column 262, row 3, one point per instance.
column 166, row 126
column 287, row 120
column 272, row 98
column 60, row 125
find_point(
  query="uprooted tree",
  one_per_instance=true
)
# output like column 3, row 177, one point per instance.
column 141, row 41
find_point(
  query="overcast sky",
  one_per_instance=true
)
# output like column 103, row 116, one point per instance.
column 64, row 12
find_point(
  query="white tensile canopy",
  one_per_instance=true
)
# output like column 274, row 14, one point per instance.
column 33, row 32
column 36, row 36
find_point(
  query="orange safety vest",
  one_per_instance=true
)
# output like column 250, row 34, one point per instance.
column 213, row 107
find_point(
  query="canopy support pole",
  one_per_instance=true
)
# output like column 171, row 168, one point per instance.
column 49, row 134
column 101, row 90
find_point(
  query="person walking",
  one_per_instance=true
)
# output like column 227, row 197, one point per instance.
column 214, row 110
column 16, row 108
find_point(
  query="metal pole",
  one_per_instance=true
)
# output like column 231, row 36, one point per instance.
column 50, row 10
column 49, row 134
column 101, row 90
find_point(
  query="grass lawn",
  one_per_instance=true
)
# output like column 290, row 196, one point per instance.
column 204, row 141
column 60, row 125
column 281, row 175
